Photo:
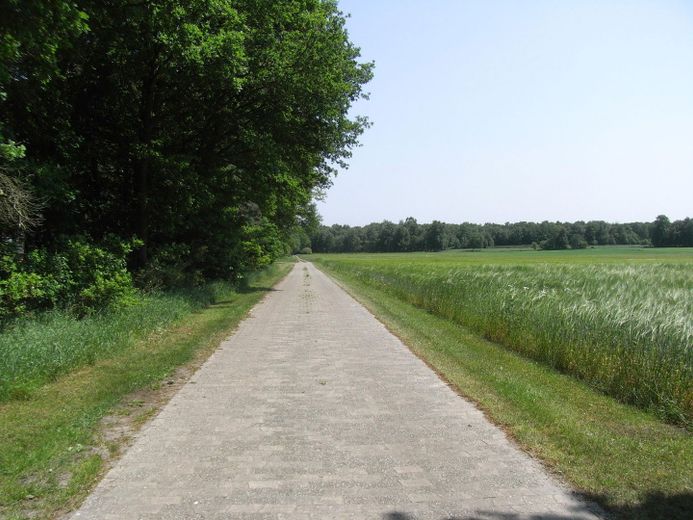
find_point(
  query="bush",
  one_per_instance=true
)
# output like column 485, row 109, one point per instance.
column 20, row 291
column 306, row 251
column 77, row 274
column 171, row 267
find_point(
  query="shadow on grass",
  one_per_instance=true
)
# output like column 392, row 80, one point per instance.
column 656, row 506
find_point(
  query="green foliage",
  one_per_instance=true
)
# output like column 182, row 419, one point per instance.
column 20, row 291
column 624, row 328
column 661, row 231
column 169, row 267
column 31, row 33
column 666, row 233
column 261, row 244
column 559, row 240
column 78, row 275
column 203, row 128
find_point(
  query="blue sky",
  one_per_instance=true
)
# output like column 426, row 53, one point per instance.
column 495, row 111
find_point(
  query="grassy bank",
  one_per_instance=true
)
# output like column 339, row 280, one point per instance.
column 50, row 453
column 627, row 460
column 36, row 351
column 624, row 327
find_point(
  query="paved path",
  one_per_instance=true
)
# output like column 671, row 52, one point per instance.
column 312, row 409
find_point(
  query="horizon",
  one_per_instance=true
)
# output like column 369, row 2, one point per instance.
column 499, row 112
column 422, row 222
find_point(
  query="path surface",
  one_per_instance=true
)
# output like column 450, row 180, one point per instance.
column 312, row 409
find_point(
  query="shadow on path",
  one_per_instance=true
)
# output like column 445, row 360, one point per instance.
column 256, row 288
column 656, row 506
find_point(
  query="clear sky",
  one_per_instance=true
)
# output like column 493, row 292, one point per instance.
column 495, row 111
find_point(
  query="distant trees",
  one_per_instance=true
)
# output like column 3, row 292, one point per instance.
column 661, row 231
column 667, row 233
column 559, row 240
column 409, row 235
column 435, row 237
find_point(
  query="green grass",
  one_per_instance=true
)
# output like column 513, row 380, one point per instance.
column 626, row 459
column 620, row 319
column 47, row 460
column 35, row 351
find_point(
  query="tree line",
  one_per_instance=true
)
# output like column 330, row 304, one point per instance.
column 164, row 139
column 409, row 235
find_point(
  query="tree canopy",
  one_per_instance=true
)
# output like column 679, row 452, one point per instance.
column 201, row 128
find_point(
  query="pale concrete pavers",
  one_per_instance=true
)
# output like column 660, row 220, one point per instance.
column 312, row 409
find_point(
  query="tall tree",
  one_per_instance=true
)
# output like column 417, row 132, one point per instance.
column 661, row 231
column 203, row 125
column 31, row 34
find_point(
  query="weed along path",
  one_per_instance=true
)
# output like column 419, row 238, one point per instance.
column 312, row 409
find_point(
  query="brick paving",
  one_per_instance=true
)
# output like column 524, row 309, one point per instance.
column 313, row 410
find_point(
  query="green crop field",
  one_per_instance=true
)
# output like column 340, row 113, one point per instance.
column 618, row 318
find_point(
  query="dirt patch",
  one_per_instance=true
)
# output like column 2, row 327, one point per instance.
column 117, row 430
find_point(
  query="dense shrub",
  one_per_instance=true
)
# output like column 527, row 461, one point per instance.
column 170, row 267
column 77, row 274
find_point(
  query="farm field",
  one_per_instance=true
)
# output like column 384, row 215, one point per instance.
column 635, row 461
column 619, row 318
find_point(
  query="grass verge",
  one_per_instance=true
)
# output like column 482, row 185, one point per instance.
column 627, row 460
column 51, row 447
